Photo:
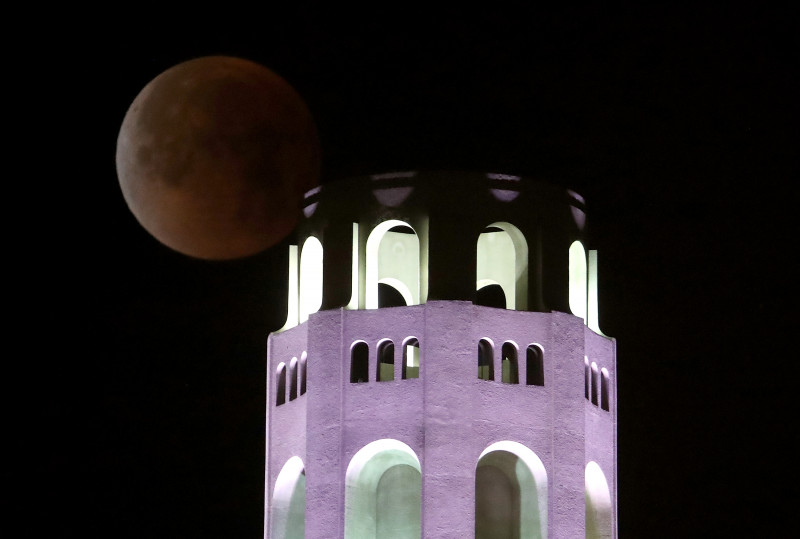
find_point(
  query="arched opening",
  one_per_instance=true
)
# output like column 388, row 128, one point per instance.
column 385, row 368
column 303, row 372
column 577, row 279
column 411, row 358
column 393, row 259
column 595, row 376
column 359, row 362
column 293, row 379
column 310, row 278
column 510, row 493
column 599, row 518
column 288, row 508
column 280, row 385
column 502, row 259
column 510, row 365
column 604, row 389
column 383, row 492
column 485, row 360
column 534, row 365
column 490, row 295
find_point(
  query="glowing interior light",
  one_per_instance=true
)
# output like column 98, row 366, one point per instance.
column 353, row 304
column 412, row 356
column 599, row 522
column 288, row 507
column 310, row 278
column 577, row 279
column 502, row 258
column 292, row 308
column 524, row 471
column 383, row 491
column 392, row 257
column 593, row 320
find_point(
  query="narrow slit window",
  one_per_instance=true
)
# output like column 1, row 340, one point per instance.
column 510, row 365
column 385, row 361
column 280, row 386
column 534, row 366
column 595, row 376
column 359, row 363
column 604, row 389
column 293, row 379
column 411, row 358
column 303, row 372
column 485, row 360
column 586, row 377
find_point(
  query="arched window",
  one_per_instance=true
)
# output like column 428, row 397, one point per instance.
column 534, row 365
column 303, row 372
column 310, row 278
column 599, row 521
column 383, row 492
column 587, row 380
column 280, row 386
column 604, row 389
column 385, row 370
column 485, row 360
column 393, row 260
column 359, row 362
column 578, row 290
column 293, row 379
column 510, row 493
column 288, row 507
column 510, row 365
column 595, row 376
column 502, row 262
column 411, row 358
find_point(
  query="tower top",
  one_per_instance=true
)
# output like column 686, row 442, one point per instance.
column 493, row 239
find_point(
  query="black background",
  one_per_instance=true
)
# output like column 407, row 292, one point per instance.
column 142, row 412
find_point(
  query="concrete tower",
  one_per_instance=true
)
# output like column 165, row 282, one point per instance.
column 441, row 372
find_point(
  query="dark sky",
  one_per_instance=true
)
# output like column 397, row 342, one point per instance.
column 679, row 127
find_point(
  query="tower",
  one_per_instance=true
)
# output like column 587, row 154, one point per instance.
column 441, row 372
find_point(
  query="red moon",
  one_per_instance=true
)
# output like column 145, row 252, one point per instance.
column 214, row 155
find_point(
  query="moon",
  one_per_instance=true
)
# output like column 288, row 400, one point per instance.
column 214, row 155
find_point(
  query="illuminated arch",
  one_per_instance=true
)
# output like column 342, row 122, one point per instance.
column 392, row 257
column 485, row 359
column 383, row 492
column 385, row 368
column 599, row 521
column 510, row 493
column 310, row 278
column 502, row 258
column 288, row 508
column 509, row 363
column 578, row 291
column 411, row 358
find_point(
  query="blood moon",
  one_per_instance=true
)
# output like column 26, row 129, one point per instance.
column 214, row 155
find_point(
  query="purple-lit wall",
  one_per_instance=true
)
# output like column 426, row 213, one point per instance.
column 447, row 416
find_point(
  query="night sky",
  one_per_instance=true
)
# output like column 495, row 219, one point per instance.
column 679, row 127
